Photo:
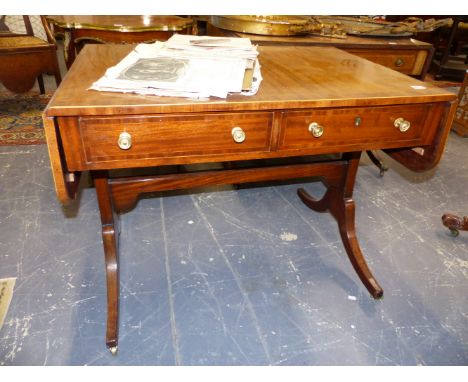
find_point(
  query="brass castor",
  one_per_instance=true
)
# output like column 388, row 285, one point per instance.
column 382, row 170
column 454, row 232
column 113, row 350
column 455, row 223
column 376, row 160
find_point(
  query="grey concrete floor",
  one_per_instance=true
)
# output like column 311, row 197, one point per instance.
column 237, row 277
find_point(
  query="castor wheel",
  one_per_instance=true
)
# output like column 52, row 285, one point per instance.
column 382, row 170
column 113, row 350
column 454, row 232
column 376, row 160
column 455, row 223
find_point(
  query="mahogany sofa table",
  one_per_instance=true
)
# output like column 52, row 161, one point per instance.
column 313, row 100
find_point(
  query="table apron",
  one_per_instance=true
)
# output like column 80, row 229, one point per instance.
column 92, row 142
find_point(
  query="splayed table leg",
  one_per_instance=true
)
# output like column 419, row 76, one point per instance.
column 338, row 200
column 110, row 239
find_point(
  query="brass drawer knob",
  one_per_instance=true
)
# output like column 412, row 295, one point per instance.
column 315, row 129
column 402, row 124
column 399, row 62
column 238, row 135
column 125, row 141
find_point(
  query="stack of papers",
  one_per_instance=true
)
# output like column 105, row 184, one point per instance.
column 187, row 66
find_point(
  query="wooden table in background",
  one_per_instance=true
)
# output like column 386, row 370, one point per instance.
column 403, row 54
column 78, row 30
column 313, row 100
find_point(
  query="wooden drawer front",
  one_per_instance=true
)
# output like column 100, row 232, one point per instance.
column 172, row 136
column 405, row 61
column 345, row 128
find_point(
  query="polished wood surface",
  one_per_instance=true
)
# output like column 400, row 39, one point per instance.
column 406, row 55
column 425, row 158
column 110, row 241
column 378, row 125
column 305, row 77
column 411, row 62
column 121, row 23
column 178, row 135
column 313, row 100
column 119, row 29
column 66, row 182
column 403, row 54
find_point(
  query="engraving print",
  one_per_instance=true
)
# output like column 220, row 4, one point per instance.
column 165, row 69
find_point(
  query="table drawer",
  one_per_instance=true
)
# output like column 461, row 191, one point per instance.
column 348, row 127
column 171, row 136
column 409, row 62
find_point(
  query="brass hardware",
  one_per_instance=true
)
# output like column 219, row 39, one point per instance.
column 315, row 129
column 125, row 141
column 113, row 350
column 238, row 135
column 402, row 124
column 262, row 25
column 357, row 121
column 454, row 232
column 399, row 62
column 121, row 23
column 70, row 177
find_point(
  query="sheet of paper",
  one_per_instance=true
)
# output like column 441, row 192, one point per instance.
column 185, row 66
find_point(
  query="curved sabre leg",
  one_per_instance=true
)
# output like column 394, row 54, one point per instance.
column 319, row 205
column 110, row 236
column 338, row 201
column 110, row 241
column 348, row 236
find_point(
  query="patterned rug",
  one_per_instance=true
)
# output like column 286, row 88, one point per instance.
column 20, row 118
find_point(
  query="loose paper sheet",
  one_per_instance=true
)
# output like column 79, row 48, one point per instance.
column 185, row 66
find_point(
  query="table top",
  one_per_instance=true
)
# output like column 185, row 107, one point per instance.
column 293, row 78
column 123, row 23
